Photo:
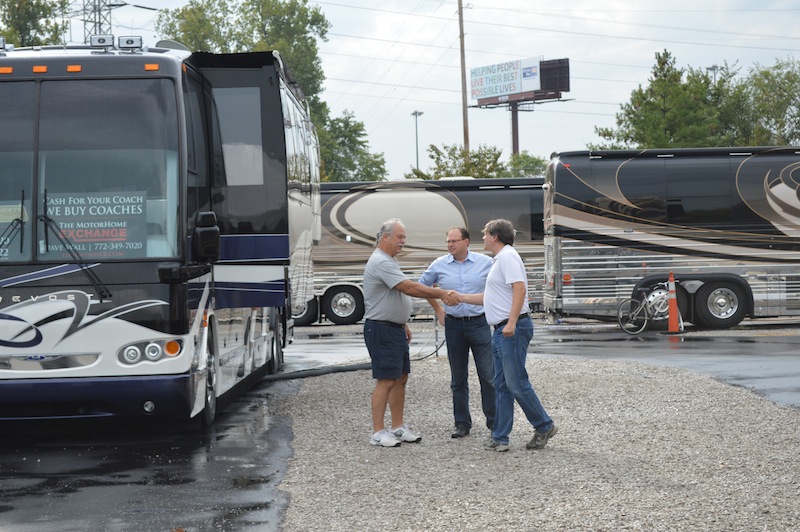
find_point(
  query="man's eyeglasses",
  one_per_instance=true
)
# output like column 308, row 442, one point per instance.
column 448, row 242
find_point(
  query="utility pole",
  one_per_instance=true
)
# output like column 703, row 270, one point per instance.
column 96, row 16
column 416, row 115
column 464, row 106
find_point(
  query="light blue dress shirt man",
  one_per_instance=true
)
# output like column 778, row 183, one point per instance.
column 465, row 326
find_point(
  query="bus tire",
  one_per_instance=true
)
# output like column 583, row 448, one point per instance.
column 309, row 315
column 210, row 407
column 659, row 321
column 720, row 305
column 343, row 305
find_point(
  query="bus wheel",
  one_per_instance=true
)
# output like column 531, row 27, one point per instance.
column 309, row 315
column 720, row 305
column 210, row 408
column 343, row 305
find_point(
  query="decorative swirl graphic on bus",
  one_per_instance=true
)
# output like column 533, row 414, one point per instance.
column 20, row 323
column 26, row 328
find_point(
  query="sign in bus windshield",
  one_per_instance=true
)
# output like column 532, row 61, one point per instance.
column 98, row 226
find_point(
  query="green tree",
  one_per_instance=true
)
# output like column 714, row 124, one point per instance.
column 33, row 22
column 730, row 97
column 686, row 108
column 201, row 25
column 669, row 112
column 292, row 27
column 350, row 159
column 524, row 164
column 450, row 161
column 774, row 95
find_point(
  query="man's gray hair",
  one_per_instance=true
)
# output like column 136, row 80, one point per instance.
column 388, row 228
column 502, row 229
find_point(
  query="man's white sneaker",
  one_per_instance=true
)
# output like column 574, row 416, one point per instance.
column 384, row 438
column 405, row 435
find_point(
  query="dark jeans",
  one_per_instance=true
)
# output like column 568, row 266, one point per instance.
column 512, row 383
column 461, row 336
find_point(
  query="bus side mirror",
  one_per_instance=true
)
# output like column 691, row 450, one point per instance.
column 205, row 240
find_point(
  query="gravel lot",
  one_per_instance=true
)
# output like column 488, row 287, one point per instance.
column 639, row 448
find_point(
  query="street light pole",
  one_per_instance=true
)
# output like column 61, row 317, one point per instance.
column 416, row 115
column 713, row 68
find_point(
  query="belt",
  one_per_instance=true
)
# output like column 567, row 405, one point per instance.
column 389, row 323
column 465, row 318
column 504, row 322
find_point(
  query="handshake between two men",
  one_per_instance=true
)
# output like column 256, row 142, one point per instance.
column 451, row 297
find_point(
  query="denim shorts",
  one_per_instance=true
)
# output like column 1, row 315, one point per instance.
column 388, row 349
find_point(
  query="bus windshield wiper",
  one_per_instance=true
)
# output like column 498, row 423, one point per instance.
column 16, row 227
column 102, row 290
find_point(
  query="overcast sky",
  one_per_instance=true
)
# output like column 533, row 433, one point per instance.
column 384, row 60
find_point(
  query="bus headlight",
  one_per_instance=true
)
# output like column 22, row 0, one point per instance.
column 153, row 351
column 150, row 351
column 131, row 354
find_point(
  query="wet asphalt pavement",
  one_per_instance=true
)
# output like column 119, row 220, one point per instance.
column 123, row 476
column 120, row 477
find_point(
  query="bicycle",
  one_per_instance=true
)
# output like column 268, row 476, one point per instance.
column 634, row 315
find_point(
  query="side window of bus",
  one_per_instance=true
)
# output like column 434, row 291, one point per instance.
column 16, row 168
column 196, row 142
column 641, row 182
column 699, row 191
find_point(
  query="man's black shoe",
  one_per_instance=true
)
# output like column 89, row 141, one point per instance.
column 460, row 432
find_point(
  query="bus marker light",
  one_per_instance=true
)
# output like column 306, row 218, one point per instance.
column 39, row 69
column 172, row 348
column 567, row 278
column 6, row 70
column 74, row 68
column 149, row 407
column 151, row 67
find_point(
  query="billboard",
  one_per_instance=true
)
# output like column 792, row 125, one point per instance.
column 505, row 79
column 523, row 80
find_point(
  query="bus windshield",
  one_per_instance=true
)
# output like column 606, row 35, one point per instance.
column 105, row 173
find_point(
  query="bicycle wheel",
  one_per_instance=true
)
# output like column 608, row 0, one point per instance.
column 632, row 316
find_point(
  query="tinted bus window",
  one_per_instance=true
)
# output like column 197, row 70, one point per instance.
column 16, row 169
column 642, row 183
column 108, row 169
column 699, row 190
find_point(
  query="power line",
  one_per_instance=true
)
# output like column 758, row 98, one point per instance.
column 704, row 31
column 452, row 103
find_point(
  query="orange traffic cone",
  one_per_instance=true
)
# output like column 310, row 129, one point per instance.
column 675, row 323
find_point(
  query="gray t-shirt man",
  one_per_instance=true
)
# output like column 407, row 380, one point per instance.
column 381, row 300
column 387, row 298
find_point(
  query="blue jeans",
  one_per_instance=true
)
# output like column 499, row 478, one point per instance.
column 511, row 382
column 461, row 336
